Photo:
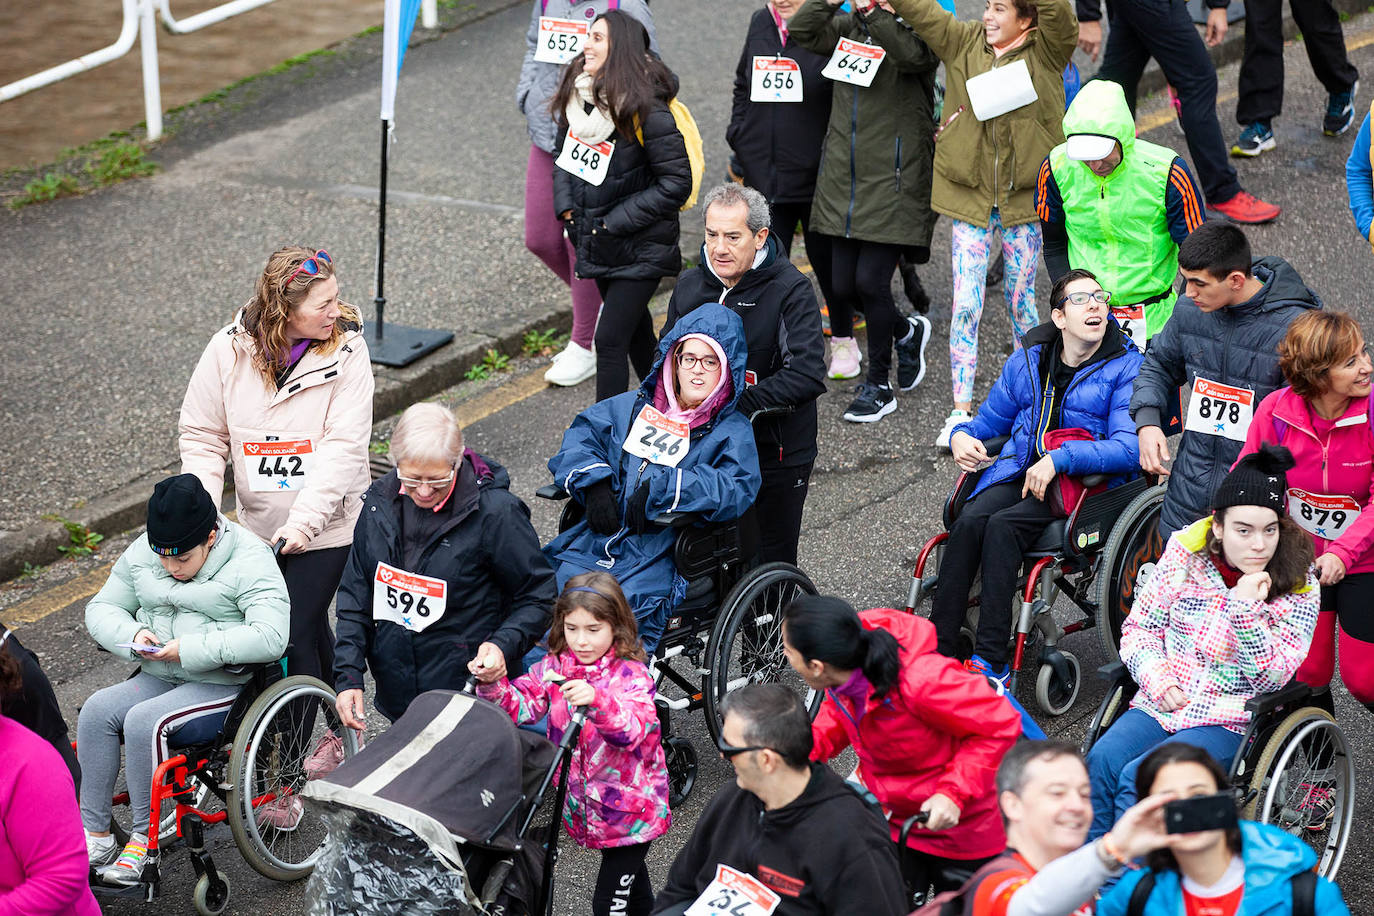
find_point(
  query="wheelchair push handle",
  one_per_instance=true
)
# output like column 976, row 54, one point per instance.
column 920, row 817
column 779, row 410
column 277, row 547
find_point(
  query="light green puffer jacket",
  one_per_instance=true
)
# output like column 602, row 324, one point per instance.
column 235, row 611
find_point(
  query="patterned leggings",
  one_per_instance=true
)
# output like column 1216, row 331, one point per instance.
column 971, row 246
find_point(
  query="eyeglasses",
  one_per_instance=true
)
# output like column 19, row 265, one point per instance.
column 309, row 267
column 690, row 361
column 411, row 483
column 730, row 752
column 1101, row 296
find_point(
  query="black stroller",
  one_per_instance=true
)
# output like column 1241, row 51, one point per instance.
column 436, row 816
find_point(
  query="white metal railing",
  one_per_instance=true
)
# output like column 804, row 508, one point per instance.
column 139, row 21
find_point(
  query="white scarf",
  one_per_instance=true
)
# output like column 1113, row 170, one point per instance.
column 591, row 126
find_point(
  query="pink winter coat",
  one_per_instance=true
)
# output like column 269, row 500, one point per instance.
column 618, row 790
column 1341, row 465
column 324, row 413
column 43, row 864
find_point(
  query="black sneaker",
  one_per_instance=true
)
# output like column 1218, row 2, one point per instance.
column 913, row 287
column 911, row 356
column 871, row 404
column 1340, row 111
column 996, row 267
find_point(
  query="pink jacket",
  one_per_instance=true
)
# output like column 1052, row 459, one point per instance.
column 1342, row 465
column 323, row 414
column 43, row 865
column 618, row 793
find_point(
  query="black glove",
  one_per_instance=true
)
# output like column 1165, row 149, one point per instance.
column 635, row 518
column 603, row 515
column 749, row 401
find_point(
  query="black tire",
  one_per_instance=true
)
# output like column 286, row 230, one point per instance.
column 681, row 757
column 1133, row 547
column 208, row 900
column 266, row 764
column 746, row 641
column 1306, row 753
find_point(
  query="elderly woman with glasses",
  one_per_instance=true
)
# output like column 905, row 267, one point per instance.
column 676, row 445
column 445, row 568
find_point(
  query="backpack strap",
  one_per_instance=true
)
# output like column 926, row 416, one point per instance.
column 1304, row 885
column 1140, row 894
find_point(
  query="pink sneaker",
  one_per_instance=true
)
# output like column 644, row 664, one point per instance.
column 844, row 358
column 327, row 756
column 282, row 813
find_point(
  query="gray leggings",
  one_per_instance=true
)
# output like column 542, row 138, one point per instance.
column 145, row 709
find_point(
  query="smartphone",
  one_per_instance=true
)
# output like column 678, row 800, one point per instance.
column 1201, row 813
column 138, row 647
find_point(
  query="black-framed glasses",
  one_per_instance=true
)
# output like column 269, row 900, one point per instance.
column 310, row 266
column 689, row 361
column 1080, row 298
column 730, row 752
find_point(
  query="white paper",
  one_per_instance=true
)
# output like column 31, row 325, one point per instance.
column 1000, row 90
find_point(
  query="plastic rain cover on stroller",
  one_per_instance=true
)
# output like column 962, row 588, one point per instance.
column 426, row 819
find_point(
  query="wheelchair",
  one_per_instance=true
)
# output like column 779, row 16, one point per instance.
column 725, row 632
column 1093, row 558
column 1290, row 750
column 253, row 757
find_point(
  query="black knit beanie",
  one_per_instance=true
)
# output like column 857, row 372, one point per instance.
column 181, row 515
column 1257, row 479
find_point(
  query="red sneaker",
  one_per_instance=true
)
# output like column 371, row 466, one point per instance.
column 1247, row 208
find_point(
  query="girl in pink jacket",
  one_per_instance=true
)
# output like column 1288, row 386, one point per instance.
column 618, row 782
column 1324, row 419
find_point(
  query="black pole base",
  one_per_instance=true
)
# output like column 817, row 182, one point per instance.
column 402, row 345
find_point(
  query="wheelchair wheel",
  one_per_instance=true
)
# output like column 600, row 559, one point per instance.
column 211, row 900
column 1056, row 695
column 746, row 641
column 681, row 758
column 1128, row 559
column 278, row 835
column 1304, row 783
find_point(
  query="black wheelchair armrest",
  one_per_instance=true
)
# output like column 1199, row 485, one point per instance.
column 1113, row 672
column 551, row 491
column 1293, row 692
column 995, row 445
column 249, row 668
column 1093, row 480
column 675, row 519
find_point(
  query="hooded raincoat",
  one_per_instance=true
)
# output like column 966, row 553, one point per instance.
column 718, row 478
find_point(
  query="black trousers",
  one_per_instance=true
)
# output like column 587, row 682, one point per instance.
column 785, row 220
column 622, row 883
column 1261, row 70
column 312, row 578
column 862, row 273
column 923, row 870
column 625, row 328
column 778, row 511
column 993, row 531
column 1163, row 29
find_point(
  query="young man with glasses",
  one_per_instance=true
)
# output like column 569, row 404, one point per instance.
column 789, row 825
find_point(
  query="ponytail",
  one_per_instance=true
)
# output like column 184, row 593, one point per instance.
column 827, row 629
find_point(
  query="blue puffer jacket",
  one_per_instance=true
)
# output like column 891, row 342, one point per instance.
column 1271, row 858
column 718, row 478
column 1097, row 400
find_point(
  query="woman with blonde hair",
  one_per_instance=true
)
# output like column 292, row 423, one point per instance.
column 284, row 394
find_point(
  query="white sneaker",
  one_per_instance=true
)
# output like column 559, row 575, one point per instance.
column 955, row 418
column 101, row 850
column 571, row 367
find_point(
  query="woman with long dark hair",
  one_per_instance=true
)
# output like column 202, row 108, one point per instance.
column 620, row 174
column 929, row 734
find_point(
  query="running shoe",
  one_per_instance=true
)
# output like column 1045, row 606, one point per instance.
column 1254, row 139
column 1316, row 807
column 911, row 353
column 101, row 850
column 871, row 404
column 978, row 665
column 572, row 366
column 325, row 759
column 844, row 358
column 128, row 868
column 282, row 813
column 1340, row 111
column 1247, row 208
column 955, row 418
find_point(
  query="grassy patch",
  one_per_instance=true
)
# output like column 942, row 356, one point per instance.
column 107, row 161
column 119, row 163
column 494, row 361
column 81, row 541
column 50, row 187
column 379, row 448
column 543, row 343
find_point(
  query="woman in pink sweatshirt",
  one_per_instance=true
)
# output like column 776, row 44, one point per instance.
column 1324, row 418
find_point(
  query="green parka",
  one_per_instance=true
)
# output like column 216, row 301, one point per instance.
column 984, row 164
column 234, row 611
column 874, row 181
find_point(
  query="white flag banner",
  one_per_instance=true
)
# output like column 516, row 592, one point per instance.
column 397, row 24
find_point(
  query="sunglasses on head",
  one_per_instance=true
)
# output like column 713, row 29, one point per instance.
column 310, row 266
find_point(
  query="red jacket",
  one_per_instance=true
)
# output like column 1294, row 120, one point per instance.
column 1343, row 465
column 939, row 729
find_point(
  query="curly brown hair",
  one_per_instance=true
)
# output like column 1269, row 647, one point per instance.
column 1313, row 344
column 266, row 314
column 1291, row 560
column 606, row 602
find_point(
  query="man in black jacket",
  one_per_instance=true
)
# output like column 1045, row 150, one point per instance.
column 743, row 267
column 787, row 824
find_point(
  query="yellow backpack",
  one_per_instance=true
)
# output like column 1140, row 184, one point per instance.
column 696, row 152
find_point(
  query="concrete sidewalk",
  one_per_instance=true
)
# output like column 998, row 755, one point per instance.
column 112, row 296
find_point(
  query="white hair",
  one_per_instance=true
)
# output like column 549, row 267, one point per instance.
column 426, row 433
column 731, row 194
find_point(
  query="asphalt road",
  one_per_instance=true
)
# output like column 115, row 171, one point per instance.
column 876, row 492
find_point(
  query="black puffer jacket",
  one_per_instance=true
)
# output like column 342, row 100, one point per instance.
column 1236, row 346
column 627, row 227
column 500, row 588
column 778, row 144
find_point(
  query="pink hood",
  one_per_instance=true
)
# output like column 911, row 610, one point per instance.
column 665, row 392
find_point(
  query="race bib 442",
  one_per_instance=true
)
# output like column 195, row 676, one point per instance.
column 276, row 466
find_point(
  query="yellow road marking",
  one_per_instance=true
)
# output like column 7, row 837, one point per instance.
column 501, row 397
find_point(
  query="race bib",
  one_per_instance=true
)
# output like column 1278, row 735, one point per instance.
column 734, row 893
column 1220, row 410
column 854, row 62
column 655, row 438
column 276, row 467
column 1000, row 90
column 589, row 161
column 560, row 40
column 776, row 79
column 1326, row 517
column 1132, row 321
column 408, row 599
